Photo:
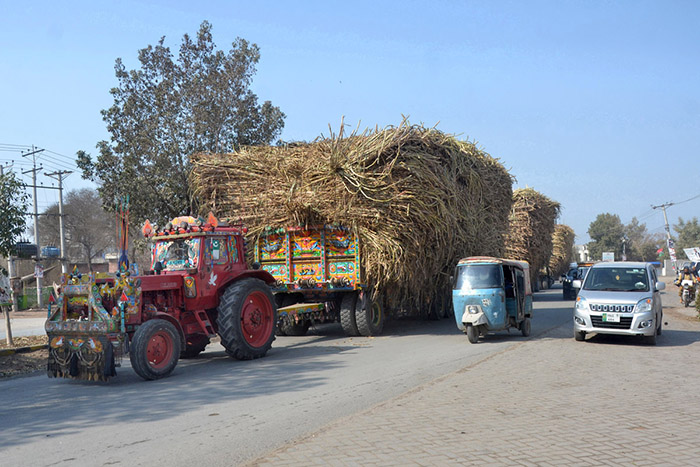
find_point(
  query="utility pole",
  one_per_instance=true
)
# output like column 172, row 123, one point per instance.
column 59, row 175
column 34, row 170
column 669, row 242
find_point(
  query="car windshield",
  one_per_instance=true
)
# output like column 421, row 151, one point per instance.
column 478, row 276
column 622, row 279
column 177, row 255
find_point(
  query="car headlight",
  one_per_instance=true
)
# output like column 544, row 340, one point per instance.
column 643, row 306
column 581, row 304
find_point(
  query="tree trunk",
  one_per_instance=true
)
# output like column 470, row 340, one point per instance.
column 8, row 329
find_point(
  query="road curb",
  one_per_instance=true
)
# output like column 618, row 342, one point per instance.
column 30, row 348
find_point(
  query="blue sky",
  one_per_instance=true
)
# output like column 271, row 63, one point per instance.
column 594, row 103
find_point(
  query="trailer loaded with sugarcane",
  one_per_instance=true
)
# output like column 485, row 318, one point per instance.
column 355, row 228
column 199, row 286
column 319, row 278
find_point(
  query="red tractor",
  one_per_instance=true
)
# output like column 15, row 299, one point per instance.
column 199, row 286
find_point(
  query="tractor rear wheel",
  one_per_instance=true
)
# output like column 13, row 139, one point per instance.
column 369, row 316
column 347, row 314
column 247, row 317
column 155, row 349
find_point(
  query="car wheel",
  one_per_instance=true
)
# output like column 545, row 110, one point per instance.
column 580, row 335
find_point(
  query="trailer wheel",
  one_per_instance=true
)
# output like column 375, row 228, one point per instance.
column 247, row 319
column 347, row 314
column 155, row 349
column 369, row 316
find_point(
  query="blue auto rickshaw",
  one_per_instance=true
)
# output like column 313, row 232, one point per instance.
column 491, row 294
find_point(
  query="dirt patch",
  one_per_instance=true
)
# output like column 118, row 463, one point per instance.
column 24, row 362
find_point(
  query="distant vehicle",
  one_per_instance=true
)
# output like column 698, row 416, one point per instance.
column 619, row 297
column 25, row 250
column 50, row 252
column 577, row 272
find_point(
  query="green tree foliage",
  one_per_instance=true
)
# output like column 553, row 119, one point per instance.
column 169, row 109
column 688, row 236
column 606, row 233
column 13, row 205
column 89, row 228
column 641, row 245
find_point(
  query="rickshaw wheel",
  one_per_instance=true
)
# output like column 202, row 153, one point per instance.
column 472, row 334
column 525, row 327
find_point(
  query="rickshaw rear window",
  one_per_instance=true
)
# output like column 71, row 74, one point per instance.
column 478, row 276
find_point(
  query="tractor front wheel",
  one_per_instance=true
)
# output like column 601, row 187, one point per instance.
column 155, row 349
column 247, row 319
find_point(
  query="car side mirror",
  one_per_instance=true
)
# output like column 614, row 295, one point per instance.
column 660, row 285
column 158, row 267
column 576, row 284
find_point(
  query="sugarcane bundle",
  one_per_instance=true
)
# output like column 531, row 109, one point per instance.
column 562, row 249
column 531, row 227
column 419, row 200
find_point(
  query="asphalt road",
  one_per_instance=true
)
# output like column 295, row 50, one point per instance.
column 214, row 410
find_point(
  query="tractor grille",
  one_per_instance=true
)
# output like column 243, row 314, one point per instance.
column 625, row 322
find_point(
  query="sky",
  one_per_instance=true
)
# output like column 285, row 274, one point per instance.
column 595, row 104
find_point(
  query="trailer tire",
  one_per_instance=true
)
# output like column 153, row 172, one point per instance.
column 155, row 349
column 369, row 316
column 247, row 317
column 347, row 314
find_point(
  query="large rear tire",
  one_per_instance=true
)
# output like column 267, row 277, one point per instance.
column 347, row 314
column 247, row 319
column 369, row 316
column 155, row 349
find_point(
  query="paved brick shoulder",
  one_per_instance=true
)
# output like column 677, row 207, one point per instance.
column 546, row 401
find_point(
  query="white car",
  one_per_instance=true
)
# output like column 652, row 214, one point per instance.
column 619, row 297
